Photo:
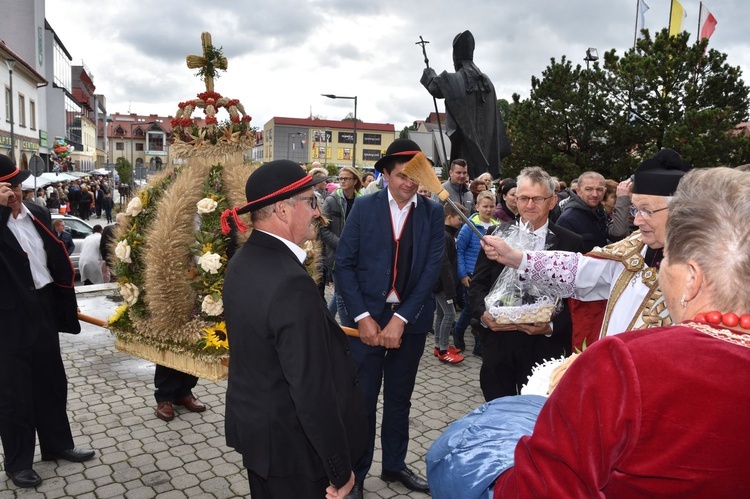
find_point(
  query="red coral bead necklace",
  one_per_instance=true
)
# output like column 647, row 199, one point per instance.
column 729, row 319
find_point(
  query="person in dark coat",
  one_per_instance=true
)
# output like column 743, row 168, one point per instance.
column 38, row 301
column 59, row 230
column 473, row 121
column 84, row 203
column 510, row 351
column 584, row 213
column 293, row 407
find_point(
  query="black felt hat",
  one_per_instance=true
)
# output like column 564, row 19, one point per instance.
column 275, row 181
column 10, row 173
column 400, row 148
column 660, row 174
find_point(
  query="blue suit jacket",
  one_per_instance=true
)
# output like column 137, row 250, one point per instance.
column 364, row 259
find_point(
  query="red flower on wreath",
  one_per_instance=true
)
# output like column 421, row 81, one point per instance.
column 210, row 101
column 209, row 95
column 246, row 119
column 185, row 122
column 233, row 102
column 235, row 119
column 175, row 122
column 211, row 120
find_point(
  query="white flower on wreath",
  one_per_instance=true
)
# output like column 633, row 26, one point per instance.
column 122, row 250
column 206, row 205
column 129, row 292
column 135, row 206
column 211, row 306
column 210, row 262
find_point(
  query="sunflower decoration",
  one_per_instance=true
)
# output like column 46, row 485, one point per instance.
column 215, row 338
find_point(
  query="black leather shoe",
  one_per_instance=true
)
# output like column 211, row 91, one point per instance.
column 357, row 491
column 408, row 479
column 25, row 478
column 73, row 455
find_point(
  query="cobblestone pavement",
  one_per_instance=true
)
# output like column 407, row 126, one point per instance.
column 111, row 409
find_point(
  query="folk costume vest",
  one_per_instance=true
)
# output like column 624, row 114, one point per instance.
column 652, row 311
column 402, row 246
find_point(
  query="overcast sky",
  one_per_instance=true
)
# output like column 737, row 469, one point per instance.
column 283, row 54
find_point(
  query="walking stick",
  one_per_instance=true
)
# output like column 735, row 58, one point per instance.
column 424, row 42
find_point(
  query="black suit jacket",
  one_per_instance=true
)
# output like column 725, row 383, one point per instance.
column 293, row 406
column 67, row 240
column 487, row 271
column 18, row 300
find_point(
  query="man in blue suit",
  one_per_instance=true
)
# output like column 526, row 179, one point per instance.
column 387, row 262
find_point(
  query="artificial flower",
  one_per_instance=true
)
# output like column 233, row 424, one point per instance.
column 122, row 251
column 135, row 206
column 211, row 306
column 129, row 292
column 210, row 262
column 206, row 205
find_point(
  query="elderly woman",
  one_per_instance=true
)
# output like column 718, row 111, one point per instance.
column 659, row 412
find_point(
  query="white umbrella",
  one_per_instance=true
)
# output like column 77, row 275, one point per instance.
column 57, row 177
column 28, row 184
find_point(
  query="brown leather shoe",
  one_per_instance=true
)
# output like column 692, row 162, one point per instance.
column 191, row 403
column 165, row 411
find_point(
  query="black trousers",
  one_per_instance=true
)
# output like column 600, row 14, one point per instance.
column 33, row 394
column 172, row 384
column 298, row 487
column 508, row 358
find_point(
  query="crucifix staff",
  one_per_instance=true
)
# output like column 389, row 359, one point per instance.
column 424, row 42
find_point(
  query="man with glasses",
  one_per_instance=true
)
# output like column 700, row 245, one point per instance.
column 293, row 409
column 510, row 351
column 624, row 273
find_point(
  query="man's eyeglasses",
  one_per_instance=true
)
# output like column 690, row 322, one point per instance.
column 645, row 212
column 313, row 200
column 535, row 199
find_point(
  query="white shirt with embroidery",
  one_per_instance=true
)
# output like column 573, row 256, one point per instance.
column 587, row 279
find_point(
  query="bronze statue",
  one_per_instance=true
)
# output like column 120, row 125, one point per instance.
column 473, row 120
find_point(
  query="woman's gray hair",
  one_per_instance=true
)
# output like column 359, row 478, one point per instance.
column 708, row 224
column 536, row 175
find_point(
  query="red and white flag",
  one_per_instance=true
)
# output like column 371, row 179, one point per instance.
column 707, row 23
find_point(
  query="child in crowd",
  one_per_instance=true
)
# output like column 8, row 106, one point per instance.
column 468, row 247
column 445, row 289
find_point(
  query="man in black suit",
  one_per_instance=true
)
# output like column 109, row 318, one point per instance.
column 293, row 409
column 59, row 227
column 511, row 350
column 37, row 300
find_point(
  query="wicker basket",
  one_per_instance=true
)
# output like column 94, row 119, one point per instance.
column 212, row 371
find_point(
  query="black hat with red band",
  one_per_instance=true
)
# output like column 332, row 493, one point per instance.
column 10, row 173
column 399, row 148
column 271, row 182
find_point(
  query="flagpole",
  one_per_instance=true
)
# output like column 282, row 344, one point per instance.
column 637, row 16
column 698, row 33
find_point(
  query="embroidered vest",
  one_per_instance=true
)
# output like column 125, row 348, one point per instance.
column 401, row 249
column 652, row 311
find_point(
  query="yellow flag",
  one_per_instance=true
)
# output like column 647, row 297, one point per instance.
column 676, row 17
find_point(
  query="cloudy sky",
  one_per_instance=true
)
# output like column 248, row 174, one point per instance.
column 284, row 53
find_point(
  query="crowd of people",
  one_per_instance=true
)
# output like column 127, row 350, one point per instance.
column 86, row 198
column 659, row 319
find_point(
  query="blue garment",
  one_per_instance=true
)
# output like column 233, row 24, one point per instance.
column 477, row 448
column 468, row 246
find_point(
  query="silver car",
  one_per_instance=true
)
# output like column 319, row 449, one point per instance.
column 78, row 229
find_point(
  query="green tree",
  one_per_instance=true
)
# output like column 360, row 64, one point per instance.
column 662, row 93
column 124, row 170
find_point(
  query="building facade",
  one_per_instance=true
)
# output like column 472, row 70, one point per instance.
column 141, row 139
column 305, row 140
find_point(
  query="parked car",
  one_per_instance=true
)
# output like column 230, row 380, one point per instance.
column 79, row 230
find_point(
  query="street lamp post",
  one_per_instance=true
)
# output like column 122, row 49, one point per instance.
column 592, row 55
column 11, row 63
column 354, row 148
column 289, row 136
